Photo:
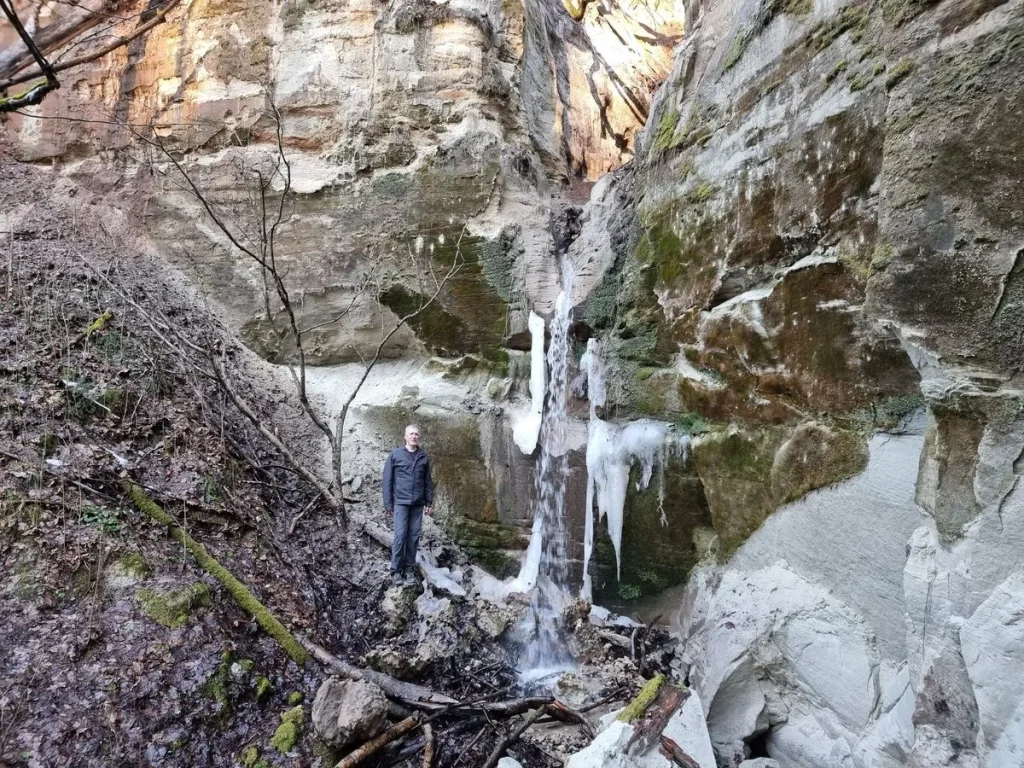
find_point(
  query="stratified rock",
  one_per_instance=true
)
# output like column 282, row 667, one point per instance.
column 993, row 649
column 348, row 712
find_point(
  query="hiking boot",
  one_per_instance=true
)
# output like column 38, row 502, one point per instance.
column 397, row 580
column 409, row 579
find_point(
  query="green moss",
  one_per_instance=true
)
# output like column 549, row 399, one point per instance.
column 852, row 18
column 173, row 608
column 638, row 706
column 629, row 591
column 701, row 193
column 692, row 424
column 898, row 73
column 878, row 69
column 263, row 688
column 860, row 82
column 738, row 47
column 295, row 697
column 837, row 70
column 794, row 7
column 287, row 734
column 498, row 259
column 216, row 686
column 899, row 12
column 881, row 257
column 109, row 520
column 245, row 599
column 135, row 564
column 98, row 323
column 664, row 134
column 888, row 413
column 249, row 756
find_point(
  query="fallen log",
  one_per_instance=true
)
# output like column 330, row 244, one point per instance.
column 647, row 732
column 511, row 738
column 408, row 693
column 562, row 713
column 379, row 742
column 245, row 599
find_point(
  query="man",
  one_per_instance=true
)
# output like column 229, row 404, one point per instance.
column 408, row 493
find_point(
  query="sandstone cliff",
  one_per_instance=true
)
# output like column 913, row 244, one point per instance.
column 797, row 229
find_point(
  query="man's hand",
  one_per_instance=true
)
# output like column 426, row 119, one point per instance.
column 428, row 511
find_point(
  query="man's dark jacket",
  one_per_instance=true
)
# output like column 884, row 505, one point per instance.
column 407, row 479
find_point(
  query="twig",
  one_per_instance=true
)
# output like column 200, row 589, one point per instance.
column 509, row 740
column 155, row 21
column 472, row 744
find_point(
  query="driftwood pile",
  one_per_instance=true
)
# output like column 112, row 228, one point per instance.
column 425, row 707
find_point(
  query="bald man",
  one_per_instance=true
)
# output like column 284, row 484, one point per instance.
column 408, row 493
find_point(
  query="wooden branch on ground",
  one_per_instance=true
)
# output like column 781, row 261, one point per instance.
column 675, row 754
column 647, row 731
column 428, row 747
column 245, row 599
column 513, row 737
column 559, row 711
column 409, row 693
column 378, row 743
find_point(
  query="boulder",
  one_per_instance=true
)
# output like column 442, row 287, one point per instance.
column 508, row 762
column 686, row 728
column 348, row 712
column 760, row 762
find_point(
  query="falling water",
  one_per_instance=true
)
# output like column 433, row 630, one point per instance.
column 544, row 653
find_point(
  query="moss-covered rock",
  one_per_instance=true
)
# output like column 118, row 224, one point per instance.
column 173, row 608
column 749, row 473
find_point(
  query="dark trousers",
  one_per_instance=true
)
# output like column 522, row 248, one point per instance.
column 408, row 523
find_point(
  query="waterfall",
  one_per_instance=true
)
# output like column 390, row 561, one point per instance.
column 544, row 652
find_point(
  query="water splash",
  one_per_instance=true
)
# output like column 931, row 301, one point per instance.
column 544, row 652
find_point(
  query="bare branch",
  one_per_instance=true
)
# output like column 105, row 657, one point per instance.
column 103, row 51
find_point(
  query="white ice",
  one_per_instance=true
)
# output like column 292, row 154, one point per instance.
column 526, row 427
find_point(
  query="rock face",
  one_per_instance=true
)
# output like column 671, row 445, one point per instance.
column 349, row 712
column 686, row 728
column 810, row 264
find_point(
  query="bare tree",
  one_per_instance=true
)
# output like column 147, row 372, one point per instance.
column 61, row 34
column 257, row 240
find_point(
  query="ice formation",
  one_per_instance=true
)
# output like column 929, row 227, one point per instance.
column 611, row 452
column 526, row 428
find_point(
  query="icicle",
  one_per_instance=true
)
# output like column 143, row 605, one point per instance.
column 526, row 428
column 662, row 461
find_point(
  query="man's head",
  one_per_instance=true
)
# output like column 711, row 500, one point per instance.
column 412, row 437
